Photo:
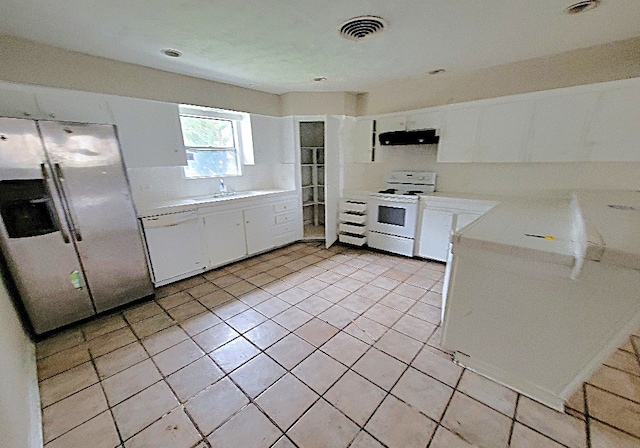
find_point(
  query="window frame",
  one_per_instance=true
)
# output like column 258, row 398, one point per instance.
column 236, row 120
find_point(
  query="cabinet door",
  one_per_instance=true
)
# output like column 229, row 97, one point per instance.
column 258, row 223
column 17, row 104
column 434, row 234
column 149, row 132
column 288, row 132
column 559, row 124
column 502, row 133
column 224, row 237
column 267, row 139
column 424, row 120
column 458, row 135
column 360, row 149
column 614, row 132
column 332, row 188
column 390, row 124
column 82, row 108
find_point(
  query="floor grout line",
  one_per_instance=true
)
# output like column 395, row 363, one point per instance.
column 248, row 269
column 513, row 418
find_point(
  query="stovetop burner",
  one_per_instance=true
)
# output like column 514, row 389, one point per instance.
column 399, row 193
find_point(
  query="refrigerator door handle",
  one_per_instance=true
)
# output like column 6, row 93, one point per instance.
column 45, row 175
column 73, row 221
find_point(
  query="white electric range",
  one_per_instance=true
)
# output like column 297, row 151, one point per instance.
column 393, row 216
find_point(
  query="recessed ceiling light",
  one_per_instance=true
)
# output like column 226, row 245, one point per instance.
column 320, row 79
column 582, row 6
column 171, row 53
column 436, row 71
column 357, row 28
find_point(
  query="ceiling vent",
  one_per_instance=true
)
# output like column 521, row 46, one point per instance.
column 582, row 6
column 359, row 28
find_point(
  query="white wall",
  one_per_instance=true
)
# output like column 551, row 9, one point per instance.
column 492, row 178
column 319, row 103
column 27, row 62
column 617, row 60
column 20, row 420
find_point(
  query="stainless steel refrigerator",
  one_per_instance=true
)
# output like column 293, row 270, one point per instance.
column 69, row 232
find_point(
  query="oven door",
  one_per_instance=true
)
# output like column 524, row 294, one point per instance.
column 393, row 217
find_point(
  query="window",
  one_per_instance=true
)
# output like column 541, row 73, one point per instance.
column 213, row 141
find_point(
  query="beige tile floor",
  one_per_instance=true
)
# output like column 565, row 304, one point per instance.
column 305, row 347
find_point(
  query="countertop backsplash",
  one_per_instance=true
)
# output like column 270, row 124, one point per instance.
column 156, row 184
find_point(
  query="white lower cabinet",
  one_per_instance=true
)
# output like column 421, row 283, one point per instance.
column 224, row 237
column 231, row 234
column 258, row 223
column 440, row 218
column 435, row 234
column 183, row 244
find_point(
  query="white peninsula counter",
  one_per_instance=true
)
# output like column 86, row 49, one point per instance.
column 543, row 290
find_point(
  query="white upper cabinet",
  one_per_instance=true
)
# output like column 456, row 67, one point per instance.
column 17, row 104
column 149, row 132
column 288, row 132
column 614, row 132
column 72, row 106
column 502, row 132
column 267, row 139
column 360, row 148
column 424, row 120
column 391, row 124
column 419, row 120
column 459, row 133
column 80, row 107
column 558, row 128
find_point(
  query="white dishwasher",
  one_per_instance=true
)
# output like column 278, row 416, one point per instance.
column 174, row 245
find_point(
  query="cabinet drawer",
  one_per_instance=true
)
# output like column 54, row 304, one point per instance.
column 350, row 206
column 284, row 206
column 352, row 239
column 356, row 229
column 284, row 218
column 353, row 218
column 284, row 228
column 284, row 239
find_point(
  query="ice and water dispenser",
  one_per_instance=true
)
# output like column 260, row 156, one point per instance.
column 26, row 208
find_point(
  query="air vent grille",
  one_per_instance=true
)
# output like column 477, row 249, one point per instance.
column 359, row 28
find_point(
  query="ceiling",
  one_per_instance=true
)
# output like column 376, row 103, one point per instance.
column 279, row 46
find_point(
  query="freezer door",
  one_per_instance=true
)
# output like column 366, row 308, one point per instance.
column 34, row 235
column 88, row 169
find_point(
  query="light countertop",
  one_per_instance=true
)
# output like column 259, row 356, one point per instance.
column 518, row 226
column 612, row 226
column 180, row 205
column 578, row 226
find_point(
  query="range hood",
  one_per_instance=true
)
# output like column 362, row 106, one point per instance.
column 418, row 137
